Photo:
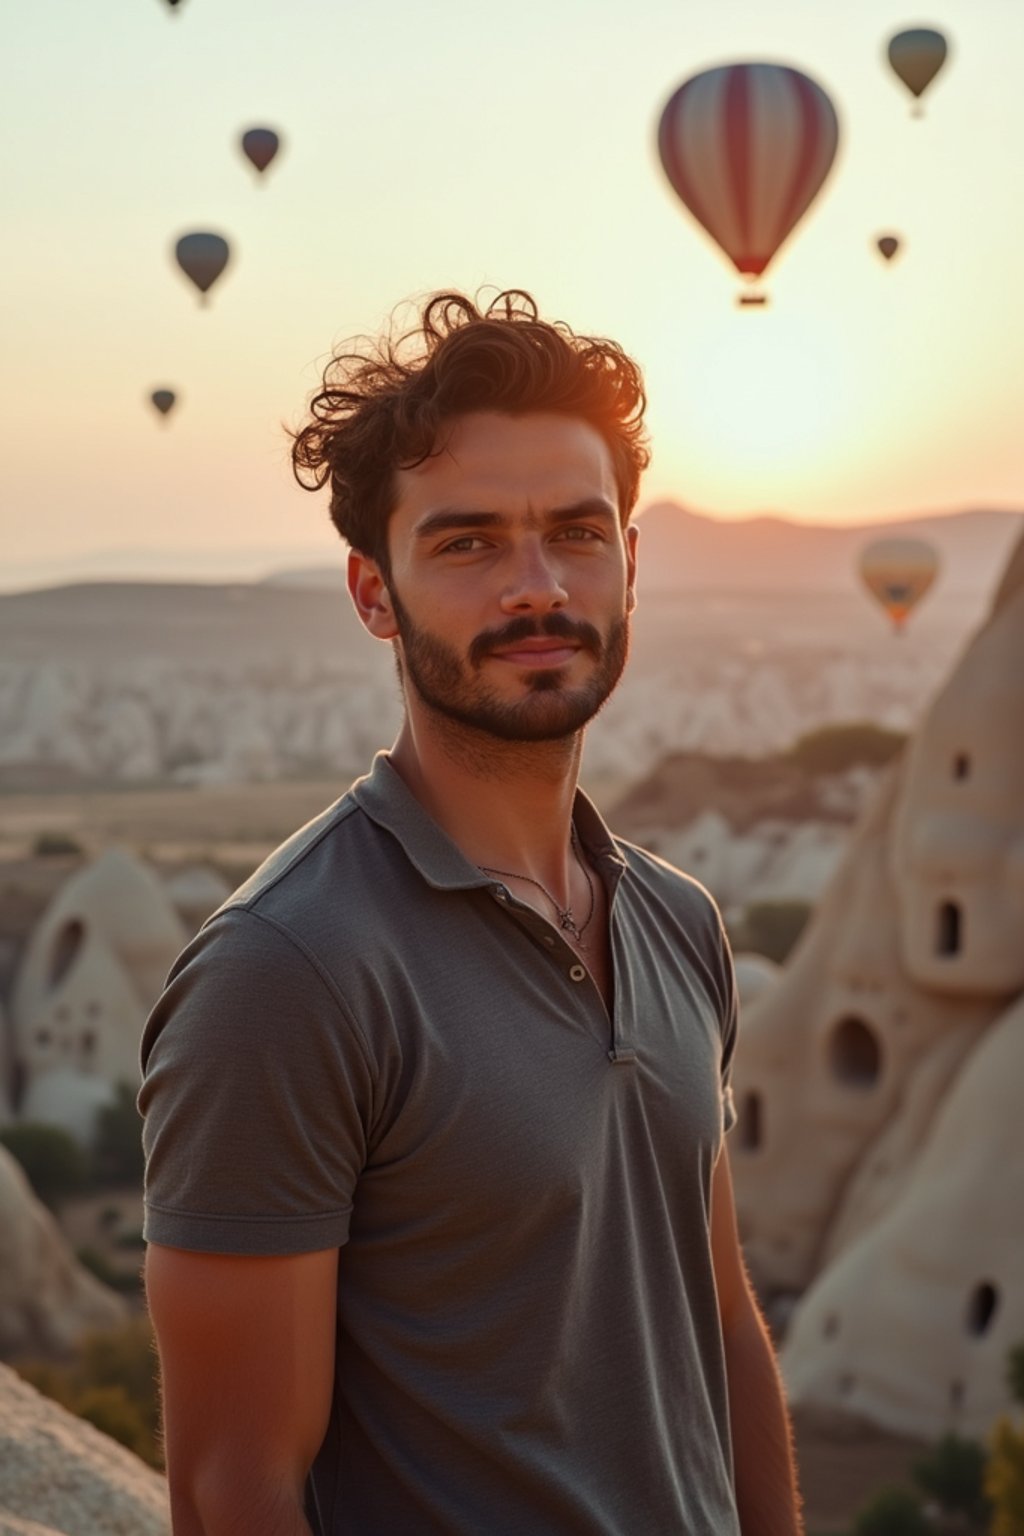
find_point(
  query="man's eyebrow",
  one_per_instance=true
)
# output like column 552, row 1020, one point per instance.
column 451, row 519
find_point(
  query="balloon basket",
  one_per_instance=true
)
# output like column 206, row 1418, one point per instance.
column 752, row 300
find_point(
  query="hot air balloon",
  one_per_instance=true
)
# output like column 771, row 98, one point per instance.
column 746, row 148
column 260, row 145
column 202, row 257
column 888, row 245
column 916, row 57
column 898, row 573
column 163, row 400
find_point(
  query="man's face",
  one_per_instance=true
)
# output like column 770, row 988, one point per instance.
column 511, row 576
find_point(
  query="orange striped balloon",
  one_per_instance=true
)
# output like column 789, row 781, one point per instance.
column 898, row 572
column 746, row 148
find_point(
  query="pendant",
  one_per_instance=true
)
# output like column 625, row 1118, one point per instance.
column 569, row 924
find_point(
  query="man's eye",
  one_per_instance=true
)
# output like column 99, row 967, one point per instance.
column 464, row 546
column 580, row 534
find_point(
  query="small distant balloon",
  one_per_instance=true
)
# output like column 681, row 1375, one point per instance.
column 202, row 257
column 163, row 400
column 888, row 245
column 260, row 145
column 747, row 148
column 173, row 4
column 916, row 56
column 898, row 572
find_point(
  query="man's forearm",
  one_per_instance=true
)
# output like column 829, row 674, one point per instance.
column 764, row 1464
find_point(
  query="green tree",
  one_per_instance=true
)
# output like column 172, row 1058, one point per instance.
column 893, row 1512
column 54, row 1163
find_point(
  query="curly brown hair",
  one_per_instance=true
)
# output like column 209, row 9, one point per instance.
column 382, row 405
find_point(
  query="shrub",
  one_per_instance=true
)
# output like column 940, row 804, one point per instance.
column 108, row 1218
column 97, row 1264
column 54, row 845
column 834, row 748
column 117, row 1143
column 953, row 1474
column 771, row 927
column 1015, row 1372
column 54, row 1163
column 112, row 1382
column 1004, row 1480
column 113, row 1412
column 892, row 1512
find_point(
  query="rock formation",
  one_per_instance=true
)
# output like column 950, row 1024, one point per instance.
column 92, row 968
column 47, row 1300
column 878, row 1152
column 61, row 1477
column 912, row 1324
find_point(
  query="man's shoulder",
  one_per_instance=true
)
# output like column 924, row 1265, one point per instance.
column 323, row 880
column 666, row 882
column 297, row 862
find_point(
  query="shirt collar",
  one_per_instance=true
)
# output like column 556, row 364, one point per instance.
column 386, row 798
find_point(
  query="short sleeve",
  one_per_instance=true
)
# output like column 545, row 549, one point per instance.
column 256, row 1097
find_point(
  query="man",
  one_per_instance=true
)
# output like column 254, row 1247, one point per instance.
column 441, row 1229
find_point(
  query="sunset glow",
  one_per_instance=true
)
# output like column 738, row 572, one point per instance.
column 417, row 157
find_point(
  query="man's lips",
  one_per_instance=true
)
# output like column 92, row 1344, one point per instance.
column 538, row 653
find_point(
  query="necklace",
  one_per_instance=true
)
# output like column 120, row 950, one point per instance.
column 565, row 914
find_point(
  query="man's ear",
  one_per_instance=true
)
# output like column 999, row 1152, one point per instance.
column 370, row 596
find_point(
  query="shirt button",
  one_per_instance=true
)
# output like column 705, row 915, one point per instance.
column 577, row 972
column 501, row 894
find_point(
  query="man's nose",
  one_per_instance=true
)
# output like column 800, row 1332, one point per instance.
column 534, row 582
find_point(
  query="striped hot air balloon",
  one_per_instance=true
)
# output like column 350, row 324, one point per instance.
column 746, row 148
column 898, row 572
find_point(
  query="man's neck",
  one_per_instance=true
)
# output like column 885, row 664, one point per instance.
column 505, row 804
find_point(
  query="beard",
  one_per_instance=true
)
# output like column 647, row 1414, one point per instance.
column 550, row 710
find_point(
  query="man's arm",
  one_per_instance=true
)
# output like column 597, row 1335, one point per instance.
column 247, row 1368
column 765, row 1470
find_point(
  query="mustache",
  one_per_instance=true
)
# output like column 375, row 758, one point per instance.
column 555, row 626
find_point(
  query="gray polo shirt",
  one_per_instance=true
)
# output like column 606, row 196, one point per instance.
column 374, row 1045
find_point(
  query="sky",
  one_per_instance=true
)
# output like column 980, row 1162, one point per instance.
column 464, row 145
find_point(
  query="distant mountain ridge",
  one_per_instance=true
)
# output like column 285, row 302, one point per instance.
column 683, row 551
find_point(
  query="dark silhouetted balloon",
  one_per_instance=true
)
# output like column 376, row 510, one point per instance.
column 888, row 245
column 202, row 257
column 163, row 400
column 916, row 57
column 260, row 145
column 898, row 572
column 746, row 148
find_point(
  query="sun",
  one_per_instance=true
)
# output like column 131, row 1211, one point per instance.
column 756, row 402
